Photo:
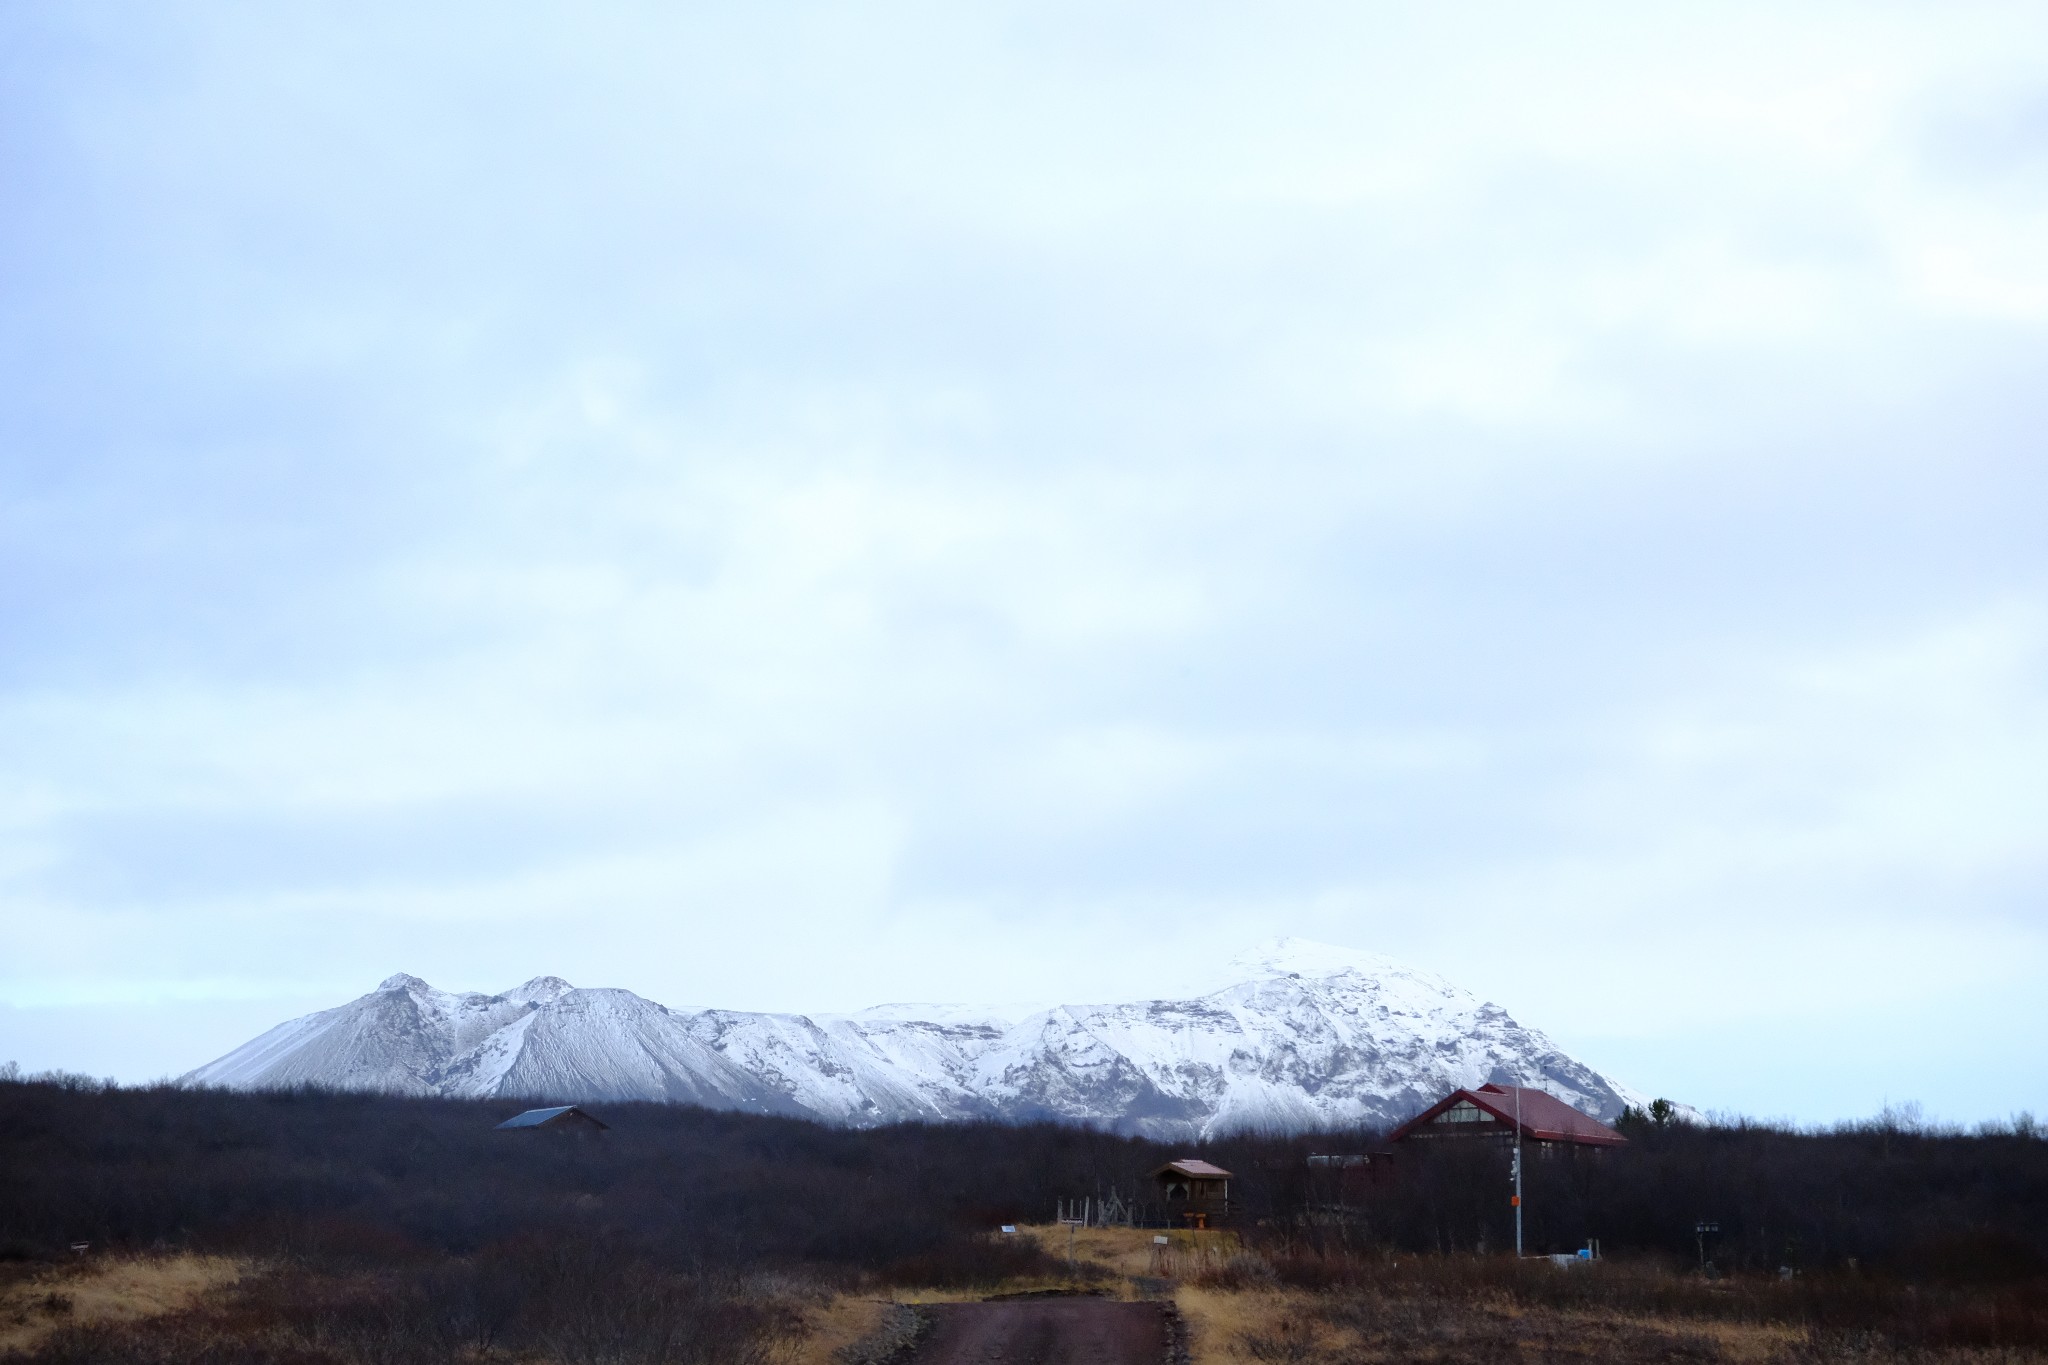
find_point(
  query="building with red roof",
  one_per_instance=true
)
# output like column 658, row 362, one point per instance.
column 1493, row 1112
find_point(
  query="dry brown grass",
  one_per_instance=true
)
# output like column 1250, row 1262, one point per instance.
column 1231, row 1323
column 1219, row 1322
column 1743, row 1343
column 1120, row 1251
column 1100, row 1255
column 1278, row 1326
column 1239, row 1308
column 835, row 1325
column 109, row 1290
column 1130, row 1256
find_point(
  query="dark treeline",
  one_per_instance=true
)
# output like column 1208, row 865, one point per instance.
column 380, row 1178
column 1915, row 1204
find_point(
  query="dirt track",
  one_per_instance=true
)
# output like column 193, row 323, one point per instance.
column 1063, row 1331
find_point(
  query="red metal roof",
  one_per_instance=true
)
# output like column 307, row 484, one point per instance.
column 1545, row 1118
column 1197, row 1170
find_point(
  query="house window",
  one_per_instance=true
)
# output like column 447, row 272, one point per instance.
column 1464, row 1111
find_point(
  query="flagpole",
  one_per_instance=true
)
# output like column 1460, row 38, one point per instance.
column 1518, row 1172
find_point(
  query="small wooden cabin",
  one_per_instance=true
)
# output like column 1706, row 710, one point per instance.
column 562, row 1118
column 1195, row 1193
column 1491, row 1113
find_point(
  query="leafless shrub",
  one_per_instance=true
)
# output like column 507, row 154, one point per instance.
column 979, row 1261
column 1240, row 1271
column 1287, row 1340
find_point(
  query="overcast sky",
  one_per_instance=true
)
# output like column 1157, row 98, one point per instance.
column 790, row 507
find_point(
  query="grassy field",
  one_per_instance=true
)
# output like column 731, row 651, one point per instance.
column 1242, row 1307
column 105, row 1291
column 1239, row 1306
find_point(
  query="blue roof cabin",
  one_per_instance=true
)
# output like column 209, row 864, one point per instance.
column 563, row 1118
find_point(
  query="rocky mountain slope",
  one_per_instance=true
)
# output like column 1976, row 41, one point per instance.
column 1310, row 1036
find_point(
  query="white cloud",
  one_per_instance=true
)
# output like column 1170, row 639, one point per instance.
column 825, row 505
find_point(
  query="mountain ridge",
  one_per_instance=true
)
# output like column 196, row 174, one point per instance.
column 1308, row 1036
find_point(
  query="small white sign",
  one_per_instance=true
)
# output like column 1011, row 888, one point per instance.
column 1009, row 1227
column 1159, row 1241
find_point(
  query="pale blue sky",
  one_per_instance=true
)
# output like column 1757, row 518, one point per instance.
column 791, row 508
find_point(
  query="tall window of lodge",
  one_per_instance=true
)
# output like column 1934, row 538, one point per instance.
column 1464, row 1111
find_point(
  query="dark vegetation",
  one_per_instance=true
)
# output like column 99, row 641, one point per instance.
column 1883, row 1196
column 578, row 1302
column 377, row 1178
column 1482, row 1308
column 407, row 1229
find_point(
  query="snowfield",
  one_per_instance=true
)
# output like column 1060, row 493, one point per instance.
column 1310, row 1036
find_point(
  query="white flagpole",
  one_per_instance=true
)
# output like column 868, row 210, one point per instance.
column 1518, row 1172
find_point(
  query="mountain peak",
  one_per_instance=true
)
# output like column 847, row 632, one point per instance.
column 1307, row 957
column 1394, row 983
column 402, row 981
column 540, row 990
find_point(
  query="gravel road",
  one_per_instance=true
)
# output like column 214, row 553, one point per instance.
column 1063, row 1331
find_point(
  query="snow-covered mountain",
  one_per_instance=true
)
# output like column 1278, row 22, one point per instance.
column 1310, row 1036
